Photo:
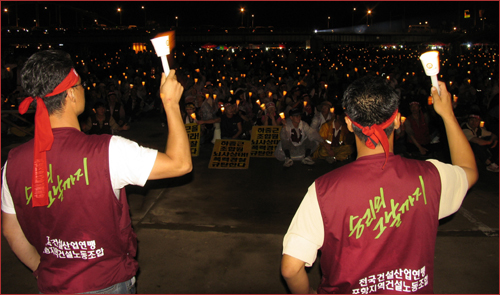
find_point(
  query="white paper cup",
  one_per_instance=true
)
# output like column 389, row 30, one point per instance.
column 161, row 45
column 430, row 62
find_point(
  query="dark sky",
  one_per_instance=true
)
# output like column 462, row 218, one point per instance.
column 291, row 14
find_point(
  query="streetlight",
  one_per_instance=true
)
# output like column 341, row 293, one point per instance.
column 252, row 19
column 145, row 19
column 328, row 23
column 367, row 16
column 176, row 21
column 8, row 15
column 120, row 12
column 352, row 23
column 242, row 14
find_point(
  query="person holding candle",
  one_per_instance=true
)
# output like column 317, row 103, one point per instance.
column 481, row 141
column 338, row 144
column 378, row 216
column 83, row 242
column 298, row 140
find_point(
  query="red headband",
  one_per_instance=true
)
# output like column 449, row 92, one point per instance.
column 376, row 134
column 43, row 140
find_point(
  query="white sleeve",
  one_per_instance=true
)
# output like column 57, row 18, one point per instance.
column 454, row 186
column 306, row 232
column 129, row 163
column 7, row 203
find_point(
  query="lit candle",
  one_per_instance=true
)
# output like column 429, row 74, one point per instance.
column 131, row 86
column 195, row 80
column 284, row 93
column 250, row 94
column 403, row 119
column 237, row 102
column 481, row 124
column 143, row 83
column 193, row 115
column 207, row 95
column 263, row 107
column 93, row 84
column 429, row 100
column 326, row 86
column 270, row 94
column 282, row 115
column 222, row 109
column 231, row 91
column 215, row 96
column 258, row 102
column 332, row 110
column 305, row 103
column 119, row 82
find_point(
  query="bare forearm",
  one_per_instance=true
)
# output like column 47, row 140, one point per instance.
column 177, row 141
column 295, row 275
column 18, row 242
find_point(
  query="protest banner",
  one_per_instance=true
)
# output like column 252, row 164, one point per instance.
column 230, row 154
column 264, row 141
column 193, row 132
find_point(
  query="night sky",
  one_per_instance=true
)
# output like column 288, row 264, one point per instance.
column 280, row 14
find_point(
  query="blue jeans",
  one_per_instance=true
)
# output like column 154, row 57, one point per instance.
column 127, row 287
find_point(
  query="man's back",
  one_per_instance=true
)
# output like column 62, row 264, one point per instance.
column 84, row 224
column 379, row 228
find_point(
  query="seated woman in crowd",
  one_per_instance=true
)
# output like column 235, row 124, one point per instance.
column 338, row 144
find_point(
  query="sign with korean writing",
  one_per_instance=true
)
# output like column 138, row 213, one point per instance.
column 264, row 141
column 230, row 154
column 193, row 132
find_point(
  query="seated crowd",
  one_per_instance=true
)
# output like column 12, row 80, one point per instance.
column 228, row 92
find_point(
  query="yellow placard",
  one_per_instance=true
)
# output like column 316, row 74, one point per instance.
column 230, row 154
column 264, row 141
column 193, row 132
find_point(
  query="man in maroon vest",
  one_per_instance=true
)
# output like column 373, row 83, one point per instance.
column 64, row 209
column 375, row 220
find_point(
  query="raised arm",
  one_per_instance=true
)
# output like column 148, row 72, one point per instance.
column 176, row 161
column 460, row 150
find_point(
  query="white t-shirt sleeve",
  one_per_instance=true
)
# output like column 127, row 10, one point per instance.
column 454, row 186
column 306, row 232
column 7, row 203
column 129, row 163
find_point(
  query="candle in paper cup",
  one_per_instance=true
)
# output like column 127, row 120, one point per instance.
column 455, row 98
column 143, row 83
column 282, row 115
column 222, row 109
column 207, row 95
column 284, row 92
column 231, row 91
column 195, row 80
column 263, row 107
column 250, row 94
column 119, row 82
column 258, row 102
column 237, row 102
column 332, row 110
column 403, row 119
column 326, row 86
column 270, row 94
column 429, row 100
column 193, row 115
column 215, row 96
column 305, row 103
column 481, row 124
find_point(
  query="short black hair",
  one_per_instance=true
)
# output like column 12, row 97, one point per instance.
column 41, row 74
column 369, row 101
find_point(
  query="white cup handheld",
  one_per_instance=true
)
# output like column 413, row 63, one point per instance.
column 430, row 62
column 162, row 48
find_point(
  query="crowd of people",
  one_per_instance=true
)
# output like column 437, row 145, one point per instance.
column 230, row 91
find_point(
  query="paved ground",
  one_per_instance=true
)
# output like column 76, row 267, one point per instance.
column 220, row 231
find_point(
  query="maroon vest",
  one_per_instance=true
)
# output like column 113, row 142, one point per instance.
column 380, row 226
column 84, row 236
